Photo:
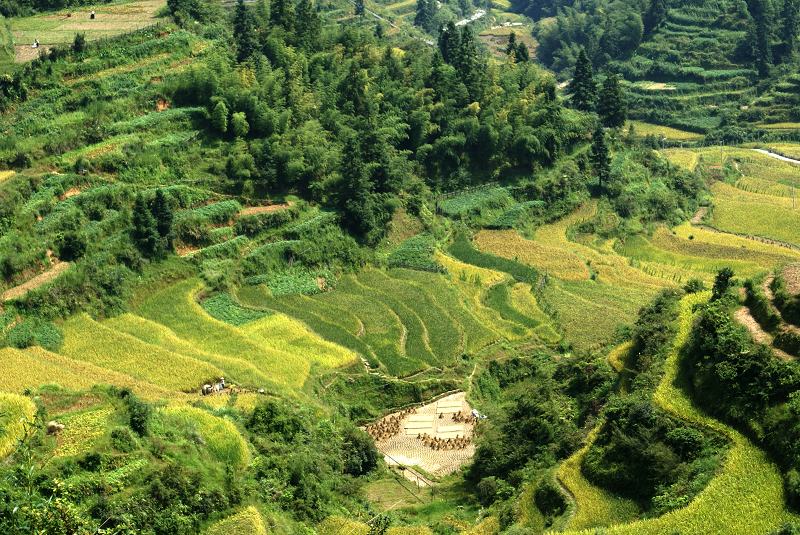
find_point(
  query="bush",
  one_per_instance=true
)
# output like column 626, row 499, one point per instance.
column 760, row 307
column 35, row 332
column 416, row 253
column 139, row 412
column 549, row 500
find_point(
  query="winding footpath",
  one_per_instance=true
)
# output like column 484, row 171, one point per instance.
column 777, row 156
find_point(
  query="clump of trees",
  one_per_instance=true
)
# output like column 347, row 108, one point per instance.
column 760, row 390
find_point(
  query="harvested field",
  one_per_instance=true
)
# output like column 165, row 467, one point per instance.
column 253, row 210
column 791, row 274
column 37, row 281
column 402, row 445
column 60, row 27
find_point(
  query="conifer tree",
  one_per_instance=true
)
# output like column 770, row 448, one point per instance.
column 655, row 15
column 282, row 14
column 164, row 216
column 243, row 32
column 611, row 105
column 449, row 42
column 145, row 231
column 219, row 117
column 426, row 9
column 790, row 20
column 308, row 25
column 601, row 161
column 582, row 86
column 511, row 47
column 360, row 8
column 759, row 36
column 470, row 65
column 521, row 53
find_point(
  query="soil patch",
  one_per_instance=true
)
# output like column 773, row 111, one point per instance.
column 254, row 210
column 436, row 437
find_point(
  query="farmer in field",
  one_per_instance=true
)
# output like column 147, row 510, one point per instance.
column 91, row 15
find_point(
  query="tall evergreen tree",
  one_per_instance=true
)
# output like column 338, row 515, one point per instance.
column 521, row 53
column 511, row 47
column 163, row 214
column 243, row 32
column 790, row 20
column 759, row 36
column 449, row 42
column 656, row 14
column 426, row 10
column 145, row 230
column 360, row 8
column 281, row 14
column 308, row 25
column 611, row 106
column 470, row 65
column 600, row 158
column 582, row 88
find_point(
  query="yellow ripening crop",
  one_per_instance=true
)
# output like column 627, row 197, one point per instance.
column 17, row 413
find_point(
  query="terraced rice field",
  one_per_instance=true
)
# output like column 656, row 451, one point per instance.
column 90, row 341
column 760, row 197
column 642, row 129
column 756, row 214
column 591, row 289
column 34, row 367
column 750, row 485
column 176, row 308
column 700, row 253
column 406, row 321
column 60, row 27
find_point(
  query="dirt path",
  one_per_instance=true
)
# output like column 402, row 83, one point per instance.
column 699, row 215
column 777, row 156
column 39, row 280
column 744, row 317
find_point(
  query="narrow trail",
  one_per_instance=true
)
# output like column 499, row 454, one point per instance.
column 39, row 280
column 777, row 156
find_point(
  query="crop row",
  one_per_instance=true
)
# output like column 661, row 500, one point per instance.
column 175, row 307
column 86, row 339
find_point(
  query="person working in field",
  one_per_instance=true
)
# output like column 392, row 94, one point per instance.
column 91, row 15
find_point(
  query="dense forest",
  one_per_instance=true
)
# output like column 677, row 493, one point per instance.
column 251, row 252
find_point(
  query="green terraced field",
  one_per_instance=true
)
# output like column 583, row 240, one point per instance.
column 88, row 340
column 175, row 307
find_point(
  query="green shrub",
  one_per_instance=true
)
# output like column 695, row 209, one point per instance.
column 760, row 307
column 223, row 307
column 35, row 332
column 416, row 253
